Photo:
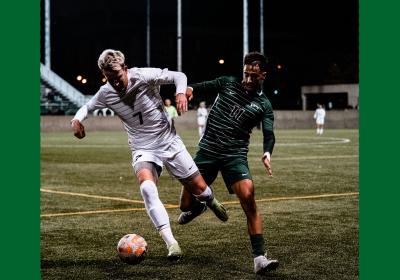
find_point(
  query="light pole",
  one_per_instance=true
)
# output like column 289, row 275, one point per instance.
column 148, row 33
column 179, row 37
column 47, row 47
column 245, row 29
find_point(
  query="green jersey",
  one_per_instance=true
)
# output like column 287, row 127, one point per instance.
column 171, row 110
column 233, row 116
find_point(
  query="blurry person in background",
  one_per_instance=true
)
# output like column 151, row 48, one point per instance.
column 202, row 114
column 319, row 117
column 171, row 111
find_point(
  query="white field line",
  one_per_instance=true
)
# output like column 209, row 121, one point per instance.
column 171, row 206
column 314, row 157
column 326, row 141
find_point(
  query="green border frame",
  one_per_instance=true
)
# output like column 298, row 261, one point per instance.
column 379, row 96
column 379, row 100
column 20, row 137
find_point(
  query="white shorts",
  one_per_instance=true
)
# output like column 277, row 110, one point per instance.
column 201, row 121
column 175, row 157
column 320, row 121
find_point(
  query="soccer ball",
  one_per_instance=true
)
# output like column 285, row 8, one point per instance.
column 132, row 248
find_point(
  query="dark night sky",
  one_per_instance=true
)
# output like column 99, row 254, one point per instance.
column 315, row 41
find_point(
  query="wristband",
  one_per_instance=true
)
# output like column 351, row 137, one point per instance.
column 267, row 155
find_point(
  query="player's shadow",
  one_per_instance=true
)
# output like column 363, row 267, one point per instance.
column 115, row 269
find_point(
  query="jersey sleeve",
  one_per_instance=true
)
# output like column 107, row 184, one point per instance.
column 157, row 77
column 212, row 87
column 93, row 104
column 268, row 130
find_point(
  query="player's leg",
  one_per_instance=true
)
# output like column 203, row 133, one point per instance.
column 237, row 178
column 193, row 185
column 147, row 173
column 244, row 190
column 200, row 130
column 190, row 206
column 181, row 165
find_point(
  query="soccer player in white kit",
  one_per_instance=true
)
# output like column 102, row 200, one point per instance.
column 134, row 95
column 202, row 114
column 319, row 117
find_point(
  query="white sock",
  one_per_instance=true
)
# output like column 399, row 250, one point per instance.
column 167, row 236
column 200, row 131
column 155, row 208
column 321, row 131
column 259, row 259
column 206, row 195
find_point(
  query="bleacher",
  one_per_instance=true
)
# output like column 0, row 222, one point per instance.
column 57, row 96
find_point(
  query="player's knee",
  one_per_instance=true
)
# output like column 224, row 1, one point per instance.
column 246, row 197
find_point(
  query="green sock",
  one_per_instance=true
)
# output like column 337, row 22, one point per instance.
column 257, row 245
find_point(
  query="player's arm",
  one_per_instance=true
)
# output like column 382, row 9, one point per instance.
column 205, row 88
column 269, row 139
column 180, row 81
column 159, row 76
column 78, row 128
column 83, row 112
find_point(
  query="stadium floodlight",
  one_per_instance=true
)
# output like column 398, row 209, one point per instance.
column 84, row 81
column 221, row 61
column 79, row 78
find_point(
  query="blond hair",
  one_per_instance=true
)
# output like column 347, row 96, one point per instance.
column 111, row 60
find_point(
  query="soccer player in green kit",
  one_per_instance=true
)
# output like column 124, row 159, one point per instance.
column 238, row 108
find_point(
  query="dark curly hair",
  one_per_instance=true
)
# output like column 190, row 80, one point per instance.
column 256, row 58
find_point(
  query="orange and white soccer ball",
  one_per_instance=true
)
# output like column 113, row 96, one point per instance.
column 132, row 248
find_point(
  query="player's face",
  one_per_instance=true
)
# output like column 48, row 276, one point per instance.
column 253, row 77
column 118, row 79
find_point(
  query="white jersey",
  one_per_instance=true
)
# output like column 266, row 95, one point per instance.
column 319, row 115
column 202, row 114
column 141, row 108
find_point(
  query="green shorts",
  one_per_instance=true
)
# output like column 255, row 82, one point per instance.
column 232, row 169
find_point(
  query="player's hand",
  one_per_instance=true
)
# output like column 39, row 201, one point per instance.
column 189, row 93
column 267, row 163
column 78, row 129
column 181, row 103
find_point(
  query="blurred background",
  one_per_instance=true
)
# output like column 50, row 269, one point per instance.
column 312, row 46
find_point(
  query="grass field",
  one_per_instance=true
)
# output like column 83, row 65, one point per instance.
column 90, row 199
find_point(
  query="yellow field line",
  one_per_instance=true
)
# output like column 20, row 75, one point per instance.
column 92, row 196
column 297, row 197
column 171, row 206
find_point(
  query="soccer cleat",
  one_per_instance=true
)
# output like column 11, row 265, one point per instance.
column 263, row 265
column 186, row 217
column 174, row 253
column 218, row 209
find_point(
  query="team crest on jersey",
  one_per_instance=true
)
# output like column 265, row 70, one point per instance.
column 253, row 105
column 236, row 112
